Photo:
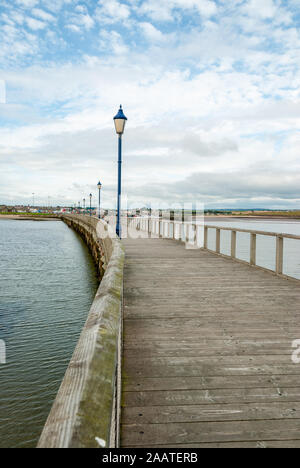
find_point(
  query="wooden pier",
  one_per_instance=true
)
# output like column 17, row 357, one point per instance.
column 183, row 346
column 207, row 350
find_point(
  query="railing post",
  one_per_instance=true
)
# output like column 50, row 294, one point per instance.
column 171, row 224
column 205, row 237
column 253, row 249
column 195, row 235
column 233, row 244
column 182, row 225
column 279, row 255
column 218, row 240
column 159, row 223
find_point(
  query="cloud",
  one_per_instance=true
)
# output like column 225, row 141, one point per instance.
column 210, row 88
column 193, row 143
column 113, row 41
column 81, row 18
column 204, row 7
column 166, row 11
column 73, row 27
column 151, row 33
column 43, row 15
column 35, row 24
column 2, row 92
column 27, row 3
column 266, row 9
column 112, row 12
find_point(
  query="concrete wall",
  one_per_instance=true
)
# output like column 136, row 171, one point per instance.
column 86, row 411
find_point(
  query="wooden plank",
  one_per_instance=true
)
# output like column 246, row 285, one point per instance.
column 258, row 445
column 211, row 432
column 208, row 370
column 209, row 397
column 213, row 412
column 169, row 362
column 196, row 351
column 143, row 384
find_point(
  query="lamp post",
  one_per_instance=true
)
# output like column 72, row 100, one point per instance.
column 91, row 204
column 84, row 206
column 33, row 200
column 119, row 121
column 99, row 185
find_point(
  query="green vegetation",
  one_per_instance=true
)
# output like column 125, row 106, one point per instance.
column 287, row 214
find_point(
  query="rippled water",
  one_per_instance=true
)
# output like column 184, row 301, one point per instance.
column 47, row 283
column 266, row 246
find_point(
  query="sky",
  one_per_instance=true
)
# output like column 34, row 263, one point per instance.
column 210, row 89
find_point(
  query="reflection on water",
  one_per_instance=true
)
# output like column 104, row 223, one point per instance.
column 48, row 282
column 266, row 245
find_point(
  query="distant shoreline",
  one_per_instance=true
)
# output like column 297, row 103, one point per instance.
column 206, row 218
column 256, row 218
column 30, row 217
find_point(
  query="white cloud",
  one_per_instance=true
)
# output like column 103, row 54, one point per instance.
column 2, row 92
column 86, row 21
column 28, row 3
column 112, row 12
column 204, row 7
column 43, row 15
column 113, row 41
column 206, row 96
column 151, row 32
column 157, row 10
column 264, row 9
column 73, row 27
column 35, row 24
column 164, row 11
column 82, row 20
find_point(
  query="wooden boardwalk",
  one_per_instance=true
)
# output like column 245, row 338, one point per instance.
column 207, row 351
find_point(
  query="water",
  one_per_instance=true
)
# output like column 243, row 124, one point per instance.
column 266, row 246
column 47, row 283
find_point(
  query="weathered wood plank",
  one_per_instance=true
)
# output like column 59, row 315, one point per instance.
column 213, row 412
column 208, row 370
column 212, row 432
column 144, row 384
column 258, row 445
column 209, row 397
